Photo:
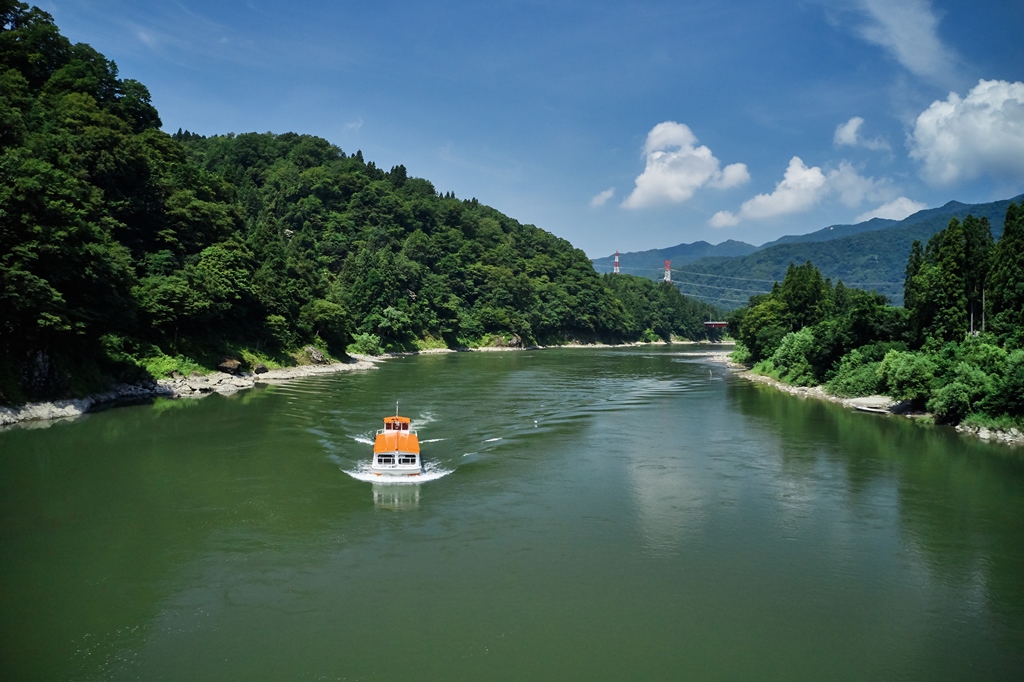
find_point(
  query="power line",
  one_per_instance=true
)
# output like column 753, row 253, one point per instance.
column 750, row 279
column 718, row 286
column 708, row 274
column 650, row 274
column 713, row 299
column 709, row 298
column 651, row 271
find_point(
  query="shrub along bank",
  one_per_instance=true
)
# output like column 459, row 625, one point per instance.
column 956, row 348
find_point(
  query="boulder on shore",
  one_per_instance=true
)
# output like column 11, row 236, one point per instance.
column 315, row 356
column 259, row 368
column 229, row 366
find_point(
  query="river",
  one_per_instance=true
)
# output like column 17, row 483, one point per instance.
column 605, row 514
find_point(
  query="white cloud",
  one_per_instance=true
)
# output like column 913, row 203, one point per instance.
column 897, row 209
column 146, row 38
column 676, row 167
column 981, row 134
column 908, row 29
column 733, row 175
column 723, row 219
column 354, row 125
column 802, row 187
column 848, row 134
column 602, row 198
column 853, row 188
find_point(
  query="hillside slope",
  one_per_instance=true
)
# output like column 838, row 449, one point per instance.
column 127, row 253
column 873, row 260
column 650, row 263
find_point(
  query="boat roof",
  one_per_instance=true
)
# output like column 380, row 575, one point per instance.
column 396, row 418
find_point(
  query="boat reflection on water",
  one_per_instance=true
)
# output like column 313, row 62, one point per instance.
column 396, row 497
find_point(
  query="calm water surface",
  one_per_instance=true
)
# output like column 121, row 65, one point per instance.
column 603, row 514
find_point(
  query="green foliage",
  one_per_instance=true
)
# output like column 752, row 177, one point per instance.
column 365, row 344
column 1005, row 283
column 762, row 327
column 161, row 365
column 874, row 257
column 647, row 309
column 857, row 345
column 967, row 385
column 741, row 354
column 907, row 375
column 194, row 245
column 327, row 321
column 858, row 371
column 791, row 360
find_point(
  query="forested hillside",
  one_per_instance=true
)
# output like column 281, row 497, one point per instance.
column 956, row 348
column 126, row 252
column 869, row 255
column 872, row 260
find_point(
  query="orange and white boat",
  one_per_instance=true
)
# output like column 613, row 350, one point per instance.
column 396, row 449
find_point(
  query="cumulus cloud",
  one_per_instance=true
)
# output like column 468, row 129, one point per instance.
column 897, row 209
column 602, row 198
column 676, row 168
column 981, row 134
column 802, row 187
column 909, row 31
column 848, row 135
column 723, row 219
column 853, row 188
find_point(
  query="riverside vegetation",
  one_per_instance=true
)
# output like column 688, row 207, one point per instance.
column 128, row 254
column 956, row 347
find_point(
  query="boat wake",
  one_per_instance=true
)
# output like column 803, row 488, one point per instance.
column 362, row 439
column 431, row 472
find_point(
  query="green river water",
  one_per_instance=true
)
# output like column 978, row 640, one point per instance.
column 605, row 514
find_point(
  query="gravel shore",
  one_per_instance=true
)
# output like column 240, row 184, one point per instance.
column 44, row 413
column 882, row 404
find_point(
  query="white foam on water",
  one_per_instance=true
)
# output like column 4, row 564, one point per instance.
column 491, row 440
column 431, row 472
column 422, row 420
column 362, row 439
column 433, row 440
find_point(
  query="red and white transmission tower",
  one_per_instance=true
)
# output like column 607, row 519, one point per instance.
column 668, row 271
column 615, row 268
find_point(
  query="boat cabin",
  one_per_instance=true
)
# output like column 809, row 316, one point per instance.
column 396, row 423
column 396, row 448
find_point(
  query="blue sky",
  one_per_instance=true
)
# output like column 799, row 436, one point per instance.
column 616, row 125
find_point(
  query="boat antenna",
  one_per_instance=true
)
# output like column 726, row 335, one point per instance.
column 396, row 408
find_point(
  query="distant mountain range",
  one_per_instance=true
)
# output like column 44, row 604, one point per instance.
column 644, row 263
column 868, row 255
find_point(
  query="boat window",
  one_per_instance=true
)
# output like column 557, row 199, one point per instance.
column 407, row 460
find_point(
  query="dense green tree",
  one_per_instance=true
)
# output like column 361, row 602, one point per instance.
column 950, row 286
column 1005, row 283
column 805, row 294
column 978, row 246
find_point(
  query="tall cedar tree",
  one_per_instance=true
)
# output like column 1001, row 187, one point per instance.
column 1005, row 286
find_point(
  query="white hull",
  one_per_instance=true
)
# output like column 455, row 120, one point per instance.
column 396, row 470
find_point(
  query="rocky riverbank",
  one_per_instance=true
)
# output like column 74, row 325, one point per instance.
column 874, row 403
column 178, row 386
